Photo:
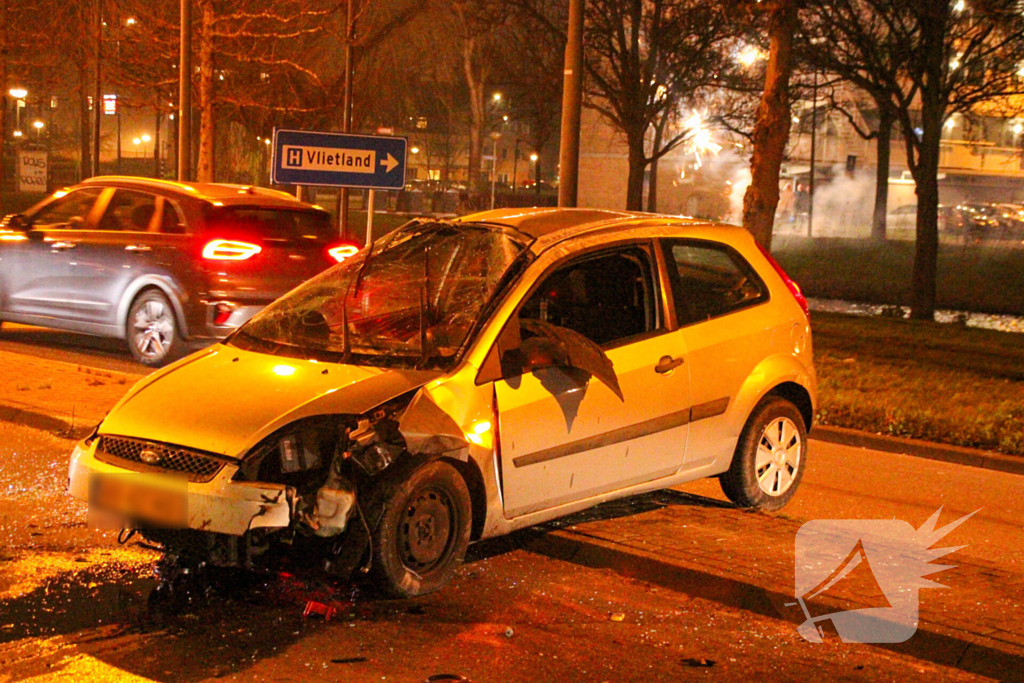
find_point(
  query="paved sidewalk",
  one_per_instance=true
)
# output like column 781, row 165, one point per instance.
column 61, row 398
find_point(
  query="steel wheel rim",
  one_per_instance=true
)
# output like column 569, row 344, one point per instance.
column 153, row 326
column 779, row 452
column 427, row 530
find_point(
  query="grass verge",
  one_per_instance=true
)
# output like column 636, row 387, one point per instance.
column 981, row 279
column 931, row 381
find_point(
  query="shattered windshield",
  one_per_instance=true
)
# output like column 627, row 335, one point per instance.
column 411, row 301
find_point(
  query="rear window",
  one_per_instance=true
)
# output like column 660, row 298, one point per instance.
column 272, row 224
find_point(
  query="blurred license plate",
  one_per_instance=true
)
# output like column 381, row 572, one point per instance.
column 129, row 496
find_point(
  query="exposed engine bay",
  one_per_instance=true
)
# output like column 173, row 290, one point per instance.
column 334, row 469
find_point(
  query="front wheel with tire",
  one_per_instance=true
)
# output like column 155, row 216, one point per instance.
column 423, row 531
column 770, row 457
column 153, row 336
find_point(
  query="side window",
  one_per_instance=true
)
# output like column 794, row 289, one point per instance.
column 171, row 220
column 709, row 280
column 70, row 210
column 129, row 211
column 606, row 297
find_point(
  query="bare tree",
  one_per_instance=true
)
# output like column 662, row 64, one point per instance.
column 771, row 131
column 925, row 60
column 645, row 59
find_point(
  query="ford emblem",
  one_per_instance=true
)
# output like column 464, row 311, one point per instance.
column 149, row 456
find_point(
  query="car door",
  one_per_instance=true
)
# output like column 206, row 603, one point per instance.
column 717, row 297
column 110, row 254
column 566, row 434
column 36, row 269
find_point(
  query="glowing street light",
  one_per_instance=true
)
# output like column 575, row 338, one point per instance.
column 497, row 97
column 18, row 93
column 534, row 157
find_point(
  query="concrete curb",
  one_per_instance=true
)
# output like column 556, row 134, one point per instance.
column 920, row 449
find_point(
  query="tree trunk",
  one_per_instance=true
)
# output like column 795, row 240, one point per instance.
column 771, row 132
column 652, row 185
column 635, row 179
column 884, row 143
column 926, row 251
column 478, row 115
column 206, row 166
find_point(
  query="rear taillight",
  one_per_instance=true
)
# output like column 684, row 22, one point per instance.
column 230, row 250
column 343, row 251
column 794, row 288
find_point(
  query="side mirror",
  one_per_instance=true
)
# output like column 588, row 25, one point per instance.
column 538, row 353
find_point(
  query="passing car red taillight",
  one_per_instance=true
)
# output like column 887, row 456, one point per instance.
column 794, row 288
column 343, row 251
column 230, row 250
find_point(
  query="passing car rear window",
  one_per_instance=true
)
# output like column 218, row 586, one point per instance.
column 273, row 224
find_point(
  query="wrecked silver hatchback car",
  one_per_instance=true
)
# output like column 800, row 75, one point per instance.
column 463, row 379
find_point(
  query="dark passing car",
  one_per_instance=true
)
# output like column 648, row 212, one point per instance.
column 156, row 262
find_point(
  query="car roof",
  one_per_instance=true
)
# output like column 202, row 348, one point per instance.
column 221, row 194
column 548, row 226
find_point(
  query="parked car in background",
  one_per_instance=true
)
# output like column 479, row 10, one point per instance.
column 979, row 221
column 158, row 263
column 902, row 218
column 461, row 380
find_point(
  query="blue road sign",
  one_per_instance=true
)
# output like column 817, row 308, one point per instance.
column 339, row 160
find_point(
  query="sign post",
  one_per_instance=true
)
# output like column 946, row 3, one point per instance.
column 371, row 162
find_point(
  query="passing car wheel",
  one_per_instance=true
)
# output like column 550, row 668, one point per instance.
column 770, row 457
column 423, row 531
column 152, row 332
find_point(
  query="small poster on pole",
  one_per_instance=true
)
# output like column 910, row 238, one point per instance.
column 32, row 167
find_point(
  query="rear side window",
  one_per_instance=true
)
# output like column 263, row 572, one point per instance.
column 171, row 220
column 71, row 208
column 710, row 280
column 270, row 224
column 129, row 211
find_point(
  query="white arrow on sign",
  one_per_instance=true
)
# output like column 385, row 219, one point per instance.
column 390, row 163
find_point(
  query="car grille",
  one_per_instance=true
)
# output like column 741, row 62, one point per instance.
column 128, row 453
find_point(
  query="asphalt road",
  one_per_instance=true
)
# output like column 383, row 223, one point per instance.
column 82, row 349
column 676, row 585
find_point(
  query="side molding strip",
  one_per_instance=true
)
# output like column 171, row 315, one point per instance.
column 658, row 424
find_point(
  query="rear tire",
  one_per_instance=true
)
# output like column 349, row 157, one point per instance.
column 152, row 330
column 423, row 531
column 770, row 458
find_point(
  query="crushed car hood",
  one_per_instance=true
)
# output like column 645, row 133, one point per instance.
column 227, row 399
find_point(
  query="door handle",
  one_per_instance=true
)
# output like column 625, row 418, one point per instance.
column 667, row 364
column 138, row 247
column 60, row 246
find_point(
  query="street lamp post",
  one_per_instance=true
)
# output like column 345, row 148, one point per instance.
column 515, row 167
column 536, row 172
column 19, row 95
column 494, row 159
